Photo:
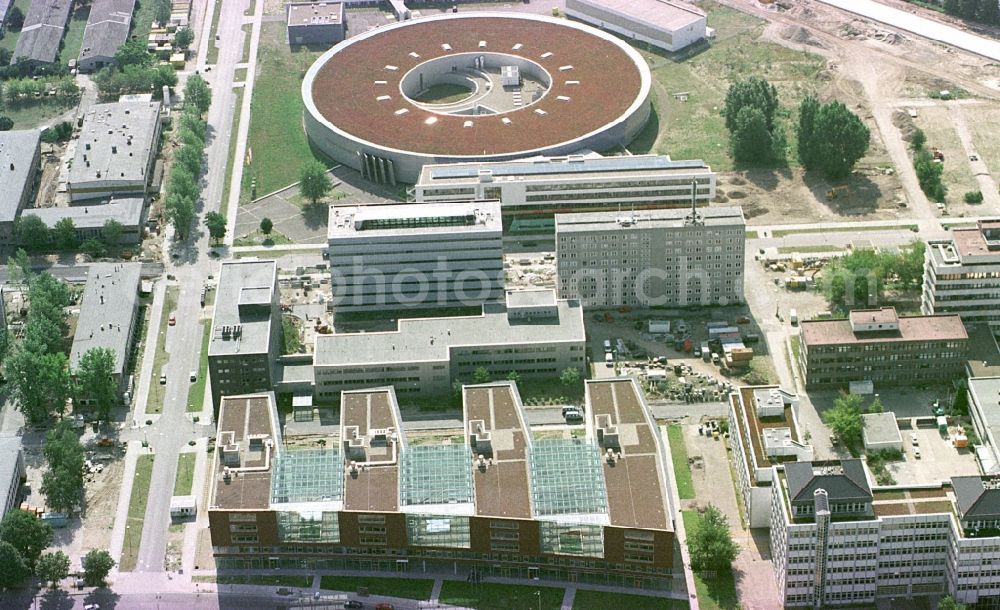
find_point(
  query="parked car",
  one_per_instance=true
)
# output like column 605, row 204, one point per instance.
column 916, row 453
column 194, row 375
column 353, row 604
column 173, row 320
column 913, row 439
column 572, row 414
column 384, row 606
column 163, row 379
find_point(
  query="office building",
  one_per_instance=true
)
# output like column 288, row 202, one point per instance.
column 983, row 394
column 89, row 220
column 654, row 258
column 667, row 24
column 107, row 30
column 246, row 329
column 116, row 150
column 12, row 473
column 320, row 23
column 962, row 275
column 423, row 356
column 109, row 316
column 593, row 510
column 576, row 183
column 879, row 346
column 20, row 152
column 42, row 32
column 417, row 256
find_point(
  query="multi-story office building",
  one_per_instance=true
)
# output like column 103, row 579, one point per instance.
column 116, row 150
column 879, row 346
column 246, row 329
column 593, row 510
column 668, row 24
column 415, row 256
column 575, row 183
column 532, row 334
column 764, row 428
column 962, row 275
column 315, row 23
column 109, row 316
column 985, row 416
column 656, row 258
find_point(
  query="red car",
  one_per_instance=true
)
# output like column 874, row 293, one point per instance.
column 385, row 606
column 173, row 320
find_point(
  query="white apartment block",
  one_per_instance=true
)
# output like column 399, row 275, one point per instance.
column 574, row 183
column 532, row 334
column 962, row 275
column 653, row 258
column 416, row 256
column 668, row 24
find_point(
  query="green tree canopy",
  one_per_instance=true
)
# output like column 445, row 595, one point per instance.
column 216, row 225
column 569, row 376
column 197, row 93
column 918, row 139
column 30, row 231
column 928, row 175
column 948, row 603
column 806, row 130
column 26, row 533
column 183, row 38
column 481, row 375
column 711, row 545
column 97, row 564
column 750, row 140
column 12, row 568
column 180, row 212
column 62, row 483
column 95, row 380
column 6, row 123
column 189, row 157
column 753, row 92
column 64, row 233
column 844, row 419
column 314, row 182
column 111, row 233
column 52, row 567
column 133, row 53
column 838, row 141
column 39, row 383
column 266, row 226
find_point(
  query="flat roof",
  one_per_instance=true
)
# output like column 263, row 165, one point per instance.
column 548, row 168
column 240, row 418
column 431, row 339
column 911, row 328
column 234, row 276
column 883, row 315
column 110, row 298
column 746, row 408
column 17, row 148
column 305, row 14
column 664, row 14
column 531, row 297
column 501, row 486
column 107, row 28
column 127, row 211
column 10, row 467
column 582, row 222
column 115, row 143
column 881, row 428
column 635, row 482
column 374, row 416
column 387, row 220
column 42, row 31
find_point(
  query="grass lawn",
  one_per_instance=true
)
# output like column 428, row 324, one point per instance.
column 275, row 253
column 679, row 457
column 277, row 140
column 154, row 403
column 276, row 238
column 142, row 19
column 807, row 229
column 713, row 593
column 213, row 51
column 73, row 38
column 10, row 38
column 806, row 249
column 407, row 588
column 196, row 392
column 494, row 596
column 231, row 159
column 29, row 116
column 940, row 129
column 985, row 130
column 136, row 512
column 444, row 94
column 695, row 128
column 602, row 600
column 751, row 234
column 184, row 481
column 280, row 580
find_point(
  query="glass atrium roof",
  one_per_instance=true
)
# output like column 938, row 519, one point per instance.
column 566, row 477
column 435, row 474
column 308, row 475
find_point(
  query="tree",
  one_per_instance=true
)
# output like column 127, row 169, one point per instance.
column 12, row 568
column 62, row 483
column 5, row 56
column 216, row 224
column 52, row 567
column 93, row 248
column 189, row 157
column 754, row 92
column 844, row 419
column 266, row 225
column 514, row 376
column 19, row 268
column 917, row 140
column 840, row 139
column 948, row 603
column 192, row 121
column 95, row 380
column 6, row 123
column 481, row 375
column 876, row 406
column 806, row 129
column 183, row 183
column 180, row 212
column 197, row 93
column 15, row 18
column 183, row 38
column 314, row 182
column 111, row 233
column 31, row 231
column 96, row 565
column 750, row 140
column 64, row 233
column 133, row 53
column 161, row 11
column 569, row 376
column 39, row 383
column 711, row 545
column 928, row 175
column 26, row 533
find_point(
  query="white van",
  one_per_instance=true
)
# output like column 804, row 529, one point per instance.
column 793, row 317
column 609, row 359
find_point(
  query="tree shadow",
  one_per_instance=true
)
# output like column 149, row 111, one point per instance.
column 854, row 196
column 103, row 597
column 55, row 599
column 316, row 215
column 765, row 178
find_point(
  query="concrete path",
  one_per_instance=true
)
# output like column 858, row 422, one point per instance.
column 988, row 186
column 149, row 353
column 132, row 453
column 568, row 596
column 190, row 548
column 436, row 591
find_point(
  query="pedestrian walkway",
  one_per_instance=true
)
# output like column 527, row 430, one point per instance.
column 568, row 597
column 436, row 591
column 145, row 374
column 132, row 453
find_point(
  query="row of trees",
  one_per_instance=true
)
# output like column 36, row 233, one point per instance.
column 831, row 138
column 32, row 233
column 928, row 168
column 985, row 11
column 23, row 540
column 845, row 418
column 28, row 90
column 862, row 278
column 134, row 71
column 62, row 481
column 182, row 186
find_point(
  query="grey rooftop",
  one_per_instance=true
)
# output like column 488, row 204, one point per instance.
column 245, row 286
column 107, row 28
column 109, row 300
column 647, row 219
column 43, row 30
column 127, row 211
column 17, row 148
column 413, row 218
column 115, row 143
column 557, row 167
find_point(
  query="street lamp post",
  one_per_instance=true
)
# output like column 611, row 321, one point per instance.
column 538, row 594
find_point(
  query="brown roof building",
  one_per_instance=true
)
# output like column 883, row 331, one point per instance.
column 593, row 509
column 879, row 346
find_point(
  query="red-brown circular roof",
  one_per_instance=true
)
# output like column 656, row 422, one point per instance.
column 608, row 83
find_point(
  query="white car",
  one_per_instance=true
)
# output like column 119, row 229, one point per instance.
column 913, row 439
column 916, row 453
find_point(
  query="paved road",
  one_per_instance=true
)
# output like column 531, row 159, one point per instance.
column 920, row 26
column 106, row 599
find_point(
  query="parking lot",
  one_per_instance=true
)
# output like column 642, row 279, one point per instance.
column 939, row 460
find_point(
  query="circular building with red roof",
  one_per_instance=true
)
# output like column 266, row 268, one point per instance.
column 478, row 86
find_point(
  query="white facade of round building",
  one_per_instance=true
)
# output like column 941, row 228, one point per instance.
column 591, row 91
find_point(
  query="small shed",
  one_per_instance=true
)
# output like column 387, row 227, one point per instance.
column 183, row 506
column 881, row 432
